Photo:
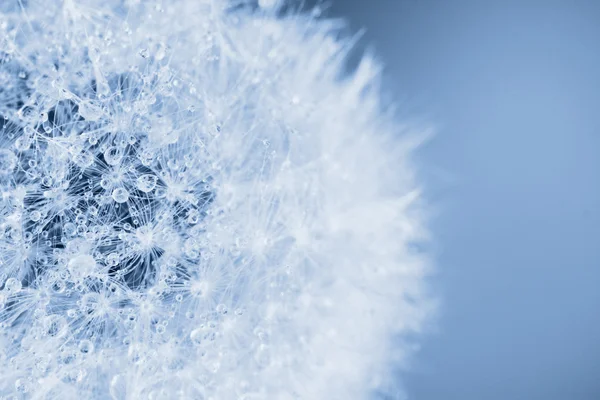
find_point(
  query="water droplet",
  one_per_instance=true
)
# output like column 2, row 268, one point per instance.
column 55, row 325
column 23, row 143
column 12, row 285
column 35, row 216
column 69, row 229
column 120, row 195
column 113, row 155
column 112, row 259
column 86, row 346
column 204, row 334
column 21, row 386
column 146, row 183
column 8, row 161
column 222, row 309
column 47, row 181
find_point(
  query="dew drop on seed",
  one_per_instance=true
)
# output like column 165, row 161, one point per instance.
column 23, row 143
column 196, row 336
column 120, row 195
column 222, row 309
column 113, row 155
column 8, row 161
column 12, row 285
column 70, row 229
column 35, row 216
column 239, row 311
column 146, row 183
column 21, row 386
column 55, row 325
column 112, row 259
column 86, row 346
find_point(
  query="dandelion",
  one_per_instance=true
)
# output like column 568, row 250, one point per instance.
column 197, row 202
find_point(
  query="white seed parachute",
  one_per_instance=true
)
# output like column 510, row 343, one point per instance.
column 197, row 203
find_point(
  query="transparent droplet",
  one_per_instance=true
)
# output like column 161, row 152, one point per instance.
column 113, row 155
column 205, row 334
column 12, row 285
column 47, row 126
column 112, row 259
column 69, row 229
column 222, row 309
column 47, row 181
column 261, row 334
column 193, row 216
column 105, row 183
column 21, row 386
column 120, row 195
column 86, row 346
column 196, row 336
column 8, row 161
column 55, row 325
column 146, row 183
column 35, row 216
column 239, row 311
column 23, row 143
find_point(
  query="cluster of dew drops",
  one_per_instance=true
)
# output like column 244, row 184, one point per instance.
column 102, row 234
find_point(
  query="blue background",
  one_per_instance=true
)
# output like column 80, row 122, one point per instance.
column 514, row 172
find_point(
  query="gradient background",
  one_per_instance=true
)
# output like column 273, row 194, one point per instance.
column 514, row 170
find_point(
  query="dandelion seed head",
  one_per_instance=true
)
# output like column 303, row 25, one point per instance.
column 197, row 202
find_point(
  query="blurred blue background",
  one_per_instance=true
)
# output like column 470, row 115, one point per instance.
column 514, row 172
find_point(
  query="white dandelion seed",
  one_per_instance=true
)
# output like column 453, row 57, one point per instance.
column 197, row 203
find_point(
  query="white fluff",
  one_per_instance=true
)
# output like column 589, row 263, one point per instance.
column 196, row 203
